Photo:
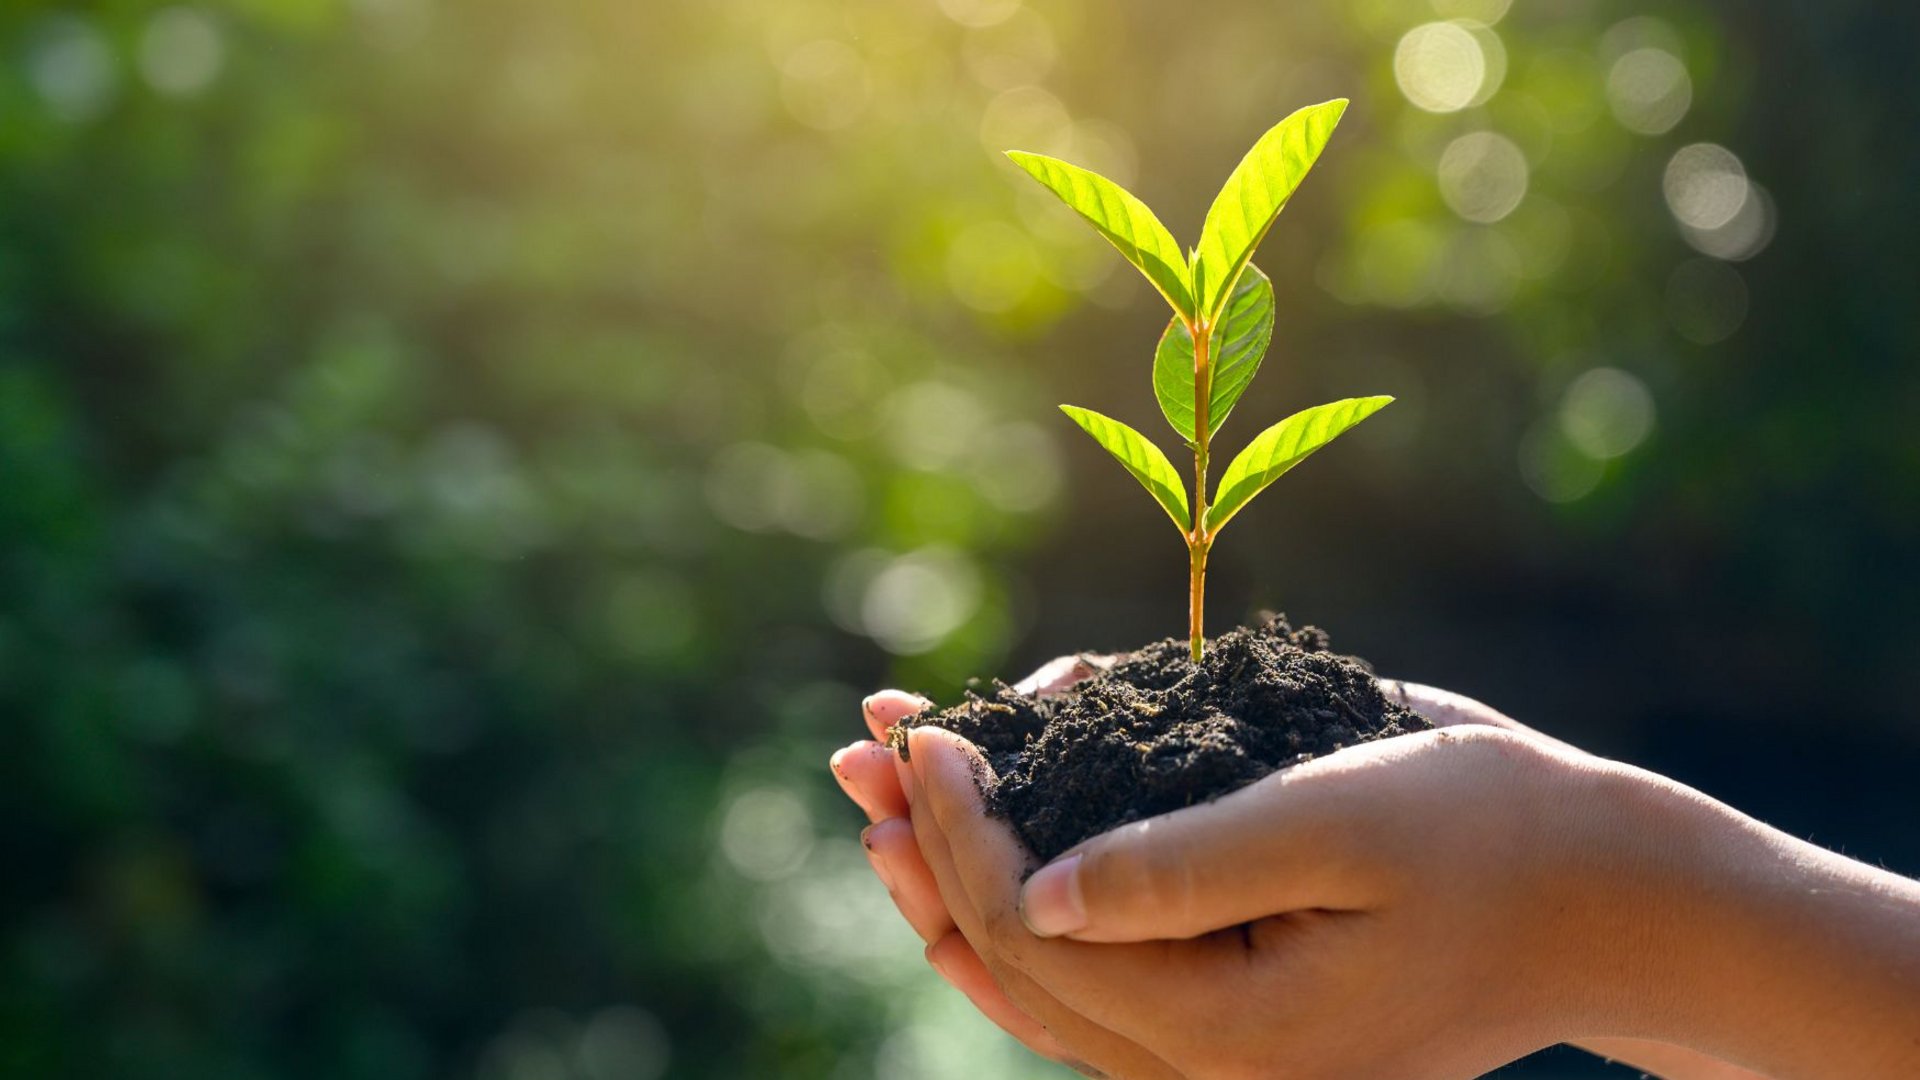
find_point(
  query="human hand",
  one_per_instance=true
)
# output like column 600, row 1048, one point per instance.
column 873, row 777
column 876, row 780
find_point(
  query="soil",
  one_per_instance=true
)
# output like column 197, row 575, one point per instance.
column 1154, row 732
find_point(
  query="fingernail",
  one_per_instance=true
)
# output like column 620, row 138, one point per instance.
column 838, row 764
column 939, row 967
column 880, row 868
column 1051, row 904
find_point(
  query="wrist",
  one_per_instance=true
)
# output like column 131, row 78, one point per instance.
column 1707, row 929
column 1600, row 903
column 1648, row 903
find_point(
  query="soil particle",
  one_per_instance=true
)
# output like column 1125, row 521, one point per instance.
column 1155, row 732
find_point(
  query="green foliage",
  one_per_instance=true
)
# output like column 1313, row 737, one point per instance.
column 1240, row 342
column 391, row 469
column 1279, row 448
column 1254, row 196
column 1139, row 457
column 1120, row 217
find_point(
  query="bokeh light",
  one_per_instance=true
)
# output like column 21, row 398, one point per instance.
column 1442, row 67
column 767, row 833
column 914, row 601
column 1706, row 186
column 1553, row 468
column 181, row 51
column 1606, row 412
column 72, row 68
column 1483, row 176
column 1649, row 90
column 1746, row 234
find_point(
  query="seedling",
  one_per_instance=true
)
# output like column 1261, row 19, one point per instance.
column 1222, row 322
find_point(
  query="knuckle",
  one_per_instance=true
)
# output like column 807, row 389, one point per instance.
column 1143, row 873
column 1168, row 885
column 1498, row 759
column 1486, row 739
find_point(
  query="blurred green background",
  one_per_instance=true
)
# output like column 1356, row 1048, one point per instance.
column 462, row 463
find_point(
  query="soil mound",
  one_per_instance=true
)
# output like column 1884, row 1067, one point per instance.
column 1155, row 732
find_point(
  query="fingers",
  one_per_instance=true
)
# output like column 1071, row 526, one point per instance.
column 1292, row 841
column 889, row 707
column 896, row 860
column 1062, row 672
column 1092, row 1043
column 1100, row 982
column 1444, row 708
column 872, row 776
column 957, row 963
column 865, row 771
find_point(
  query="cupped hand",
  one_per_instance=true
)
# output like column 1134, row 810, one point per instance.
column 875, row 779
column 1378, row 932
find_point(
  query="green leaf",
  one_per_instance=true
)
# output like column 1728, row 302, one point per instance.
column 1140, row 457
column 1120, row 217
column 1280, row 448
column 1239, row 342
column 1253, row 196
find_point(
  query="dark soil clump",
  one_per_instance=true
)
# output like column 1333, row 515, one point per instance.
column 1155, row 732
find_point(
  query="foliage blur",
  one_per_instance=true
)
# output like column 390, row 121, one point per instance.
column 462, row 464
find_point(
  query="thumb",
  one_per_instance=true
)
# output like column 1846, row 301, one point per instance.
column 1290, row 842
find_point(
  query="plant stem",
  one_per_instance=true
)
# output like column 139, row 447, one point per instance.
column 1196, row 594
column 1197, row 540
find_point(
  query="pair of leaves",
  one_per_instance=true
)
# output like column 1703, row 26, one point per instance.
column 1268, row 457
column 1199, row 288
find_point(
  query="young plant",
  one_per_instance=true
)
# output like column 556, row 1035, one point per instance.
column 1222, row 321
